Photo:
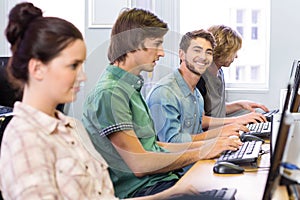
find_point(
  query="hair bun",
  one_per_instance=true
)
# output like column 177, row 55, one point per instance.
column 19, row 19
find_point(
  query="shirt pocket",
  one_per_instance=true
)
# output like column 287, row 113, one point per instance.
column 70, row 166
column 72, row 172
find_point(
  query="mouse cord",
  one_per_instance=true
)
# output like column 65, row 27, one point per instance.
column 262, row 152
column 258, row 169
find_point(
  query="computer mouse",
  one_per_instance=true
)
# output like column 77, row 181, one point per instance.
column 245, row 137
column 227, row 168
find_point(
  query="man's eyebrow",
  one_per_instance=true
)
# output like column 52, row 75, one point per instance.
column 197, row 47
column 200, row 47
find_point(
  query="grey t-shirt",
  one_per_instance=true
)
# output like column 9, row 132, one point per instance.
column 212, row 89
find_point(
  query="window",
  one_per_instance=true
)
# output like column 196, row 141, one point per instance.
column 251, row 18
column 240, row 73
column 254, row 28
column 254, row 74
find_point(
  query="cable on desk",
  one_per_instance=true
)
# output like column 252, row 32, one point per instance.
column 293, row 191
column 258, row 169
column 262, row 152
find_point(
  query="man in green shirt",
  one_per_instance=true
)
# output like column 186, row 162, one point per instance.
column 118, row 119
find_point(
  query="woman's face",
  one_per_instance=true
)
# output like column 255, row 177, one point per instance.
column 65, row 72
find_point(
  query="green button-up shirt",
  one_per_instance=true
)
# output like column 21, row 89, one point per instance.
column 116, row 104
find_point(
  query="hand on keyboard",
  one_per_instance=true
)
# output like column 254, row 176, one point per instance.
column 231, row 129
column 262, row 130
column 247, row 153
column 270, row 114
column 252, row 117
column 214, row 147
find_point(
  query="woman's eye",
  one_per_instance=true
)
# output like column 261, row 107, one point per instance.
column 75, row 65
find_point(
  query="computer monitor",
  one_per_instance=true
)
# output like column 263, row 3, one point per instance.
column 278, row 150
column 8, row 94
column 295, row 80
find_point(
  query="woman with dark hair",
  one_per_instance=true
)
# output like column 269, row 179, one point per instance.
column 45, row 154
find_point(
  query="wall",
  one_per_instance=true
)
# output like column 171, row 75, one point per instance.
column 55, row 8
column 97, row 40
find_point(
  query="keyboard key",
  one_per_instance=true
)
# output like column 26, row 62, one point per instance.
column 262, row 129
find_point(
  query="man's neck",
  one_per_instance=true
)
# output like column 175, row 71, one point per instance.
column 127, row 66
column 190, row 78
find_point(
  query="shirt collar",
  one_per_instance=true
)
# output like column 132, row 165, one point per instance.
column 40, row 119
column 182, row 84
column 136, row 82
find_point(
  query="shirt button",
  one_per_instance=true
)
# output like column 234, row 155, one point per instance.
column 195, row 115
column 99, row 192
column 72, row 142
column 195, row 102
column 86, row 167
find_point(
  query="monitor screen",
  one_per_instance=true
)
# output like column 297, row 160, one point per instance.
column 295, row 80
column 8, row 94
column 278, row 150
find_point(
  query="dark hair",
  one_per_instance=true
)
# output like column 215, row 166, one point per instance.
column 130, row 30
column 186, row 39
column 33, row 36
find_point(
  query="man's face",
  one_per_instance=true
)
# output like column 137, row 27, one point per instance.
column 230, row 60
column 146, row 58
column 199, row 56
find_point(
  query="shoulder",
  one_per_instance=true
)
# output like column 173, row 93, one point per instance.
column 165, row 84
column 103, row 92
column 164, row 89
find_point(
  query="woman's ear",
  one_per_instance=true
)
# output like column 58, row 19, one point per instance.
column 36, row 69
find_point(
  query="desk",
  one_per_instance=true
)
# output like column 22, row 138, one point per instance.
column 249, row 185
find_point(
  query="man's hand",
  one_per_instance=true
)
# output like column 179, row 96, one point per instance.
column 250, row 105
column 214, row 147
column 232, row 129
column 252, row 117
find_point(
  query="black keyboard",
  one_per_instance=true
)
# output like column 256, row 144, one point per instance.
column 218, row 194
column 247, row 153
column 4, row 110
column 269, row 115
column 262, row 129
